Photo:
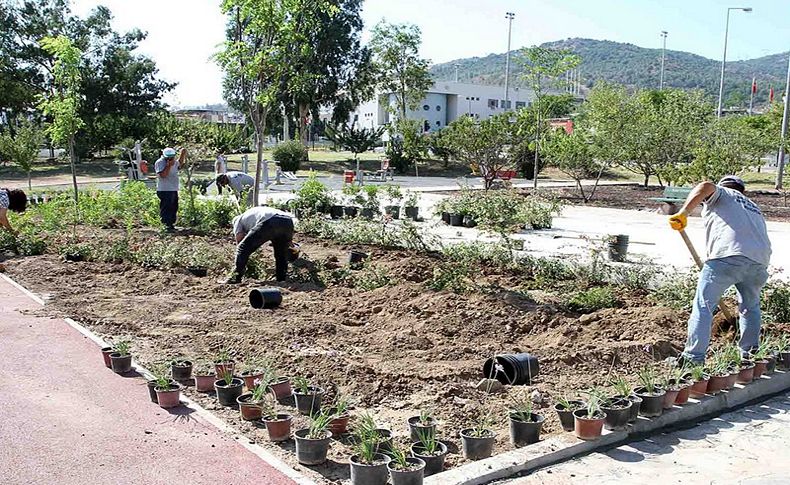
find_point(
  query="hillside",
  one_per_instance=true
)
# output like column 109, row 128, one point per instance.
column 637, row 67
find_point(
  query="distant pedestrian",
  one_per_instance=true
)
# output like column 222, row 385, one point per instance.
column 11, row 200
column 220, row 164
column 255, row 227
column 167, row 185
column 239, row 183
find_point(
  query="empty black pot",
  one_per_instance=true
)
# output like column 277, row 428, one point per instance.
column 446, row 217
column 336, row 211
column 412, row 213
column 266, row 297
column 227, row 393
column 523, row 433
column 350, row 211
column 469, row 221
column 198, row 271
column 181, row 370
column 309, row 403
column 652, row 403
column 513, row 369
column 356, row 259
column 456, row 220
column 566, row 415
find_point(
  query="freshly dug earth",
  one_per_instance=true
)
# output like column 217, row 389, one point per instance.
column 774, row 205
column 393, row 350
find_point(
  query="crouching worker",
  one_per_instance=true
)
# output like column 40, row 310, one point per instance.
column 238, row 182
column 255, row 227
column 11, row 200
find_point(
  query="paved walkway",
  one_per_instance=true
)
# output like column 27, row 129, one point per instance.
column 65, row 418
column 748, row 446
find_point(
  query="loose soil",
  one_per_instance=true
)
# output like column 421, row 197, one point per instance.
column 774, row 205
column 393, row 350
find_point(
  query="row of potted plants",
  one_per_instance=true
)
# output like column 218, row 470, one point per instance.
column 364, row 201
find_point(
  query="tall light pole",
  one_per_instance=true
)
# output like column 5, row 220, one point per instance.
column 780, row 162
column 509, row 16
column 663, row 55
column 724, row 57
column 456, row 72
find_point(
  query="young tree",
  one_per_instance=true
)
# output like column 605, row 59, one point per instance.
column 22, row 146
column 62, row 104
column 543, row 66
column 573, row 155
column 356, row 140
column 257, row 56
column 484, row 144
column 439, row 146
column 399, row 67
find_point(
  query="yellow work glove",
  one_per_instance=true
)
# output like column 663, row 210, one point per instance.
column 679, row 221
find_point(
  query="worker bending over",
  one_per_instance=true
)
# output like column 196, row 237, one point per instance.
column 11, row 200
column 738, row 254
column 256, row 226
column 238, row 182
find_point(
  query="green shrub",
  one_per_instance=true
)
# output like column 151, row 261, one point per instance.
column 677, row 291
column 477, row 253
column 502, row 210
column 776, row 301
column 290, row 154
column 312, row 196
column 451, row 276
column 592, row 299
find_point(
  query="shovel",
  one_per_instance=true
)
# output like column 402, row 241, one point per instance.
column 725, row 310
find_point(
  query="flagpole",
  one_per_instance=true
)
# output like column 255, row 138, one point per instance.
column 751, row 97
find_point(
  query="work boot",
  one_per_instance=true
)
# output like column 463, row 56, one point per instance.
column 233, row 279
column 170, row 229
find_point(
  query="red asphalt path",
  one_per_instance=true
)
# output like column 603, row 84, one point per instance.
column 65, row 418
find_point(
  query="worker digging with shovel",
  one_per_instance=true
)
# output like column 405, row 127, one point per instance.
column 738, row 254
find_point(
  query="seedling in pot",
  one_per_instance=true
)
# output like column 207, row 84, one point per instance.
column 122, row 347
column 366, row 442
column 318, row 425
column 482, row 425
column 648, row 379
column 426, row 417
column 301, row 384
column 565, row 404
column 428, row 443
column 621, row 386
column 521, row 408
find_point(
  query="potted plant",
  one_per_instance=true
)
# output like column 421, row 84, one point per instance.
column 278, row 425
column 699, row 379
column 525, row 425
column 223, row 362
column 442, row 209
column 618, row 412
column 121, row 359
column 204, row 376
column 105, row 353
column 394, row 195
column 307, row 397
column 368, row 465
column 254, row 370
column 181, row 370
column 676, row 388
column 352, row 195
column 405, row 470
column 761, row 360
column 719, row 373
column 565, row 409
column 159, row 375
column 168, row 392
column 281, row 387
column 74, row 252
column 588, row 422
column 423, row 422
column 312, row 443
column 651, row 393
column 370, row 206
column 340, row 416
column 250, row 403
column 366, row 423
column 431, row 451
column 624, row 390
column 477, row 442
column 228, row 388
column 783, row 352
column 411, row 206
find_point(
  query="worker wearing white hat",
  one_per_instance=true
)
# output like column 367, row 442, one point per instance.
column 167, row 185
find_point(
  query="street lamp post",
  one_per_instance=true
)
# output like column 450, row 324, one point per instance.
column 663, row 55
column 456, row 72
column 724, row 57
column 509, row 16
column 780, row 162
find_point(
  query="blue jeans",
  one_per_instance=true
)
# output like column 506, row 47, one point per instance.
column 716, row 277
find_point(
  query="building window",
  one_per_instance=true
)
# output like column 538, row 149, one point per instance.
column 425, row 107
column 520, row 104
column 506, row 104
column 438, row 108
column 438, row 123
column 493, row 103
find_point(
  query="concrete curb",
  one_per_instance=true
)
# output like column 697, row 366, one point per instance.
column 207, row 416
column 565, row 447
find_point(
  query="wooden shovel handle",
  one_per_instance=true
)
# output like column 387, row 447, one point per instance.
column 698, row 261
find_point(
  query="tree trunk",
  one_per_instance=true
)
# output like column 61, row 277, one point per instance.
column 72, row 157
column 29, row 181
column 647, row 179
column 304, row 110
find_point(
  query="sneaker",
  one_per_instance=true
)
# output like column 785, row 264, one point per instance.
column 170, row 229
column 233, row 279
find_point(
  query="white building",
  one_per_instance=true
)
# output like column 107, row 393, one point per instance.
column 445, row 102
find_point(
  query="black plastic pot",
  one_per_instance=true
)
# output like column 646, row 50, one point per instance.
column 513, row 369
column 392, row 211
column 769, row 369
column 783, row 360
column 198, row 271
column 367, row 213
column 410, row 476
column 456, row 220
column 350, row 211
column 336, row 211
column 121, row 364
column 310, row 451
column 228, row 393
column 618, row 412
column 636, row 403
column 369, row 474
column 566, row 415
column 446, row 217
column 73, row 258
column 265, row 298
column 181, row 370
column 412, row 213
column 618, row 248
column 152, row 390
column 652, row 404
column 385, row 441
column 416, row 428
column 433, row 463
column 469, row 221
column 523, row 433
column 477, row 448
column 356, row 259
column 309, row 403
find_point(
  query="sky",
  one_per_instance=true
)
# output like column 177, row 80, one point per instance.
column 183, row 34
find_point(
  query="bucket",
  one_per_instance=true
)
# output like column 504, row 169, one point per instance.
column 265, row 298
column 513, row 369
column 348, row 176
column 618, row 248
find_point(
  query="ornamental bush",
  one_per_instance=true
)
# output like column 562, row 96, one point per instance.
column 290, row 154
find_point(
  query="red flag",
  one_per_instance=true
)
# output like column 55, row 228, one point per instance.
column 771, row 95
column 754, row 86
